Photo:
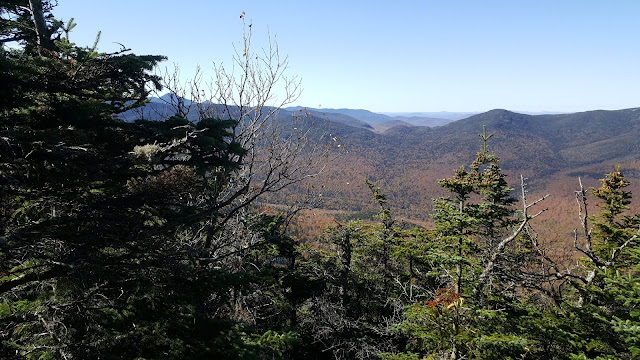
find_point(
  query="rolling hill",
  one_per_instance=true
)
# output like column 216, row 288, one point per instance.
column 406, row 160
column 552, row 151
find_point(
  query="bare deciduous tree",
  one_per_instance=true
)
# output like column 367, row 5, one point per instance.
column 279, row 149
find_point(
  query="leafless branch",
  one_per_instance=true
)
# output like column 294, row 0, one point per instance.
column 281, row 149
column 499, row 249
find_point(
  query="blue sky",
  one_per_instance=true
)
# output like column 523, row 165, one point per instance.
column 396, row 56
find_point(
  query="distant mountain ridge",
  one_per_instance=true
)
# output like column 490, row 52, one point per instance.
column 576, row 138
column 164, row 107
column 552, row 150
column 380, row 121
column 447, row 115
column 362, row 115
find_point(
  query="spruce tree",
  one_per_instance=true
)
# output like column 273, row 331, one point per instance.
column 608, row 300
column 474, row 242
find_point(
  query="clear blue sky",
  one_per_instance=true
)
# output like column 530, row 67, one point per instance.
column 536, row 55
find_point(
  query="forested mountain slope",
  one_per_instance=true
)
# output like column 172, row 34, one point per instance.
column 407, row 161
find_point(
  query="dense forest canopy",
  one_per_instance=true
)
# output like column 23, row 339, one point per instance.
column 144, row 239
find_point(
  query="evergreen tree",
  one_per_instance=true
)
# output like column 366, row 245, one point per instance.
column 477, row 252
column 608, row 292
column 104, row 222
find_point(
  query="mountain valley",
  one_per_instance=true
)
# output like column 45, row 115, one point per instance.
column 406, row 160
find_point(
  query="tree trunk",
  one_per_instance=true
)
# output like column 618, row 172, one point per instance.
column 42, row 32
column 458, row 281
